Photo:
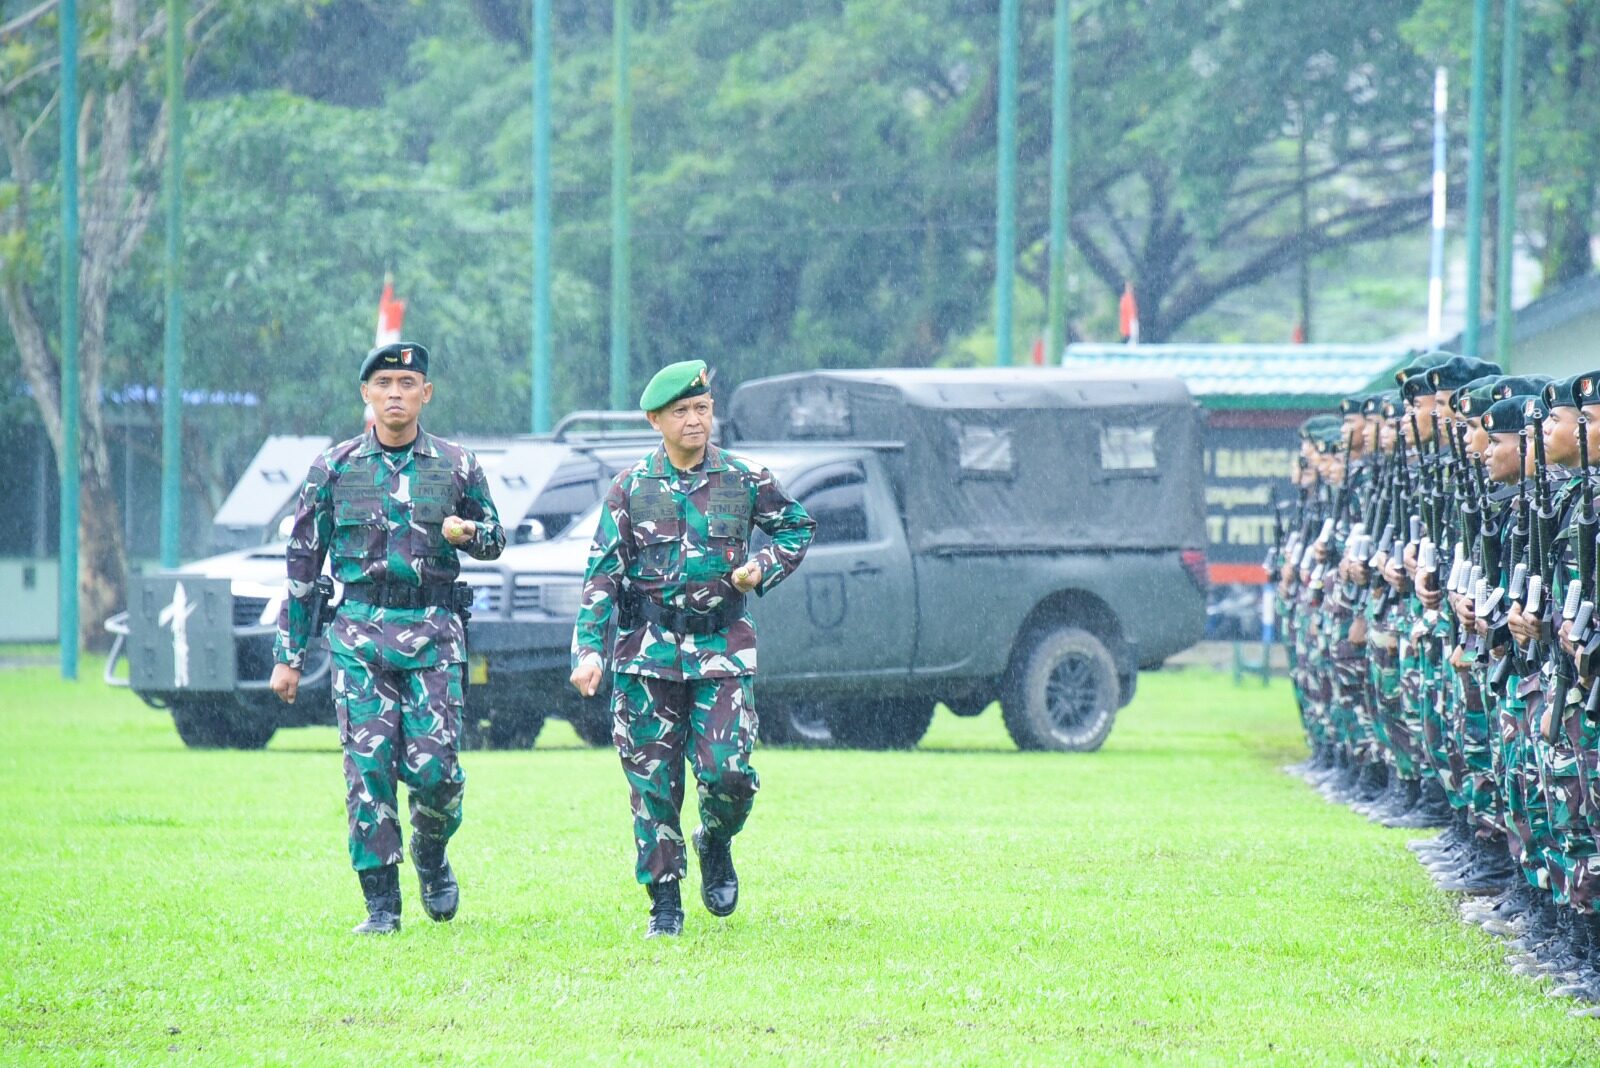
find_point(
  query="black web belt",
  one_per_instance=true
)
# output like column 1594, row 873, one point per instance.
column 637, row 606
column 401, row 595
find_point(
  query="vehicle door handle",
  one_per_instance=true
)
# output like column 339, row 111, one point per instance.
column 861, row 569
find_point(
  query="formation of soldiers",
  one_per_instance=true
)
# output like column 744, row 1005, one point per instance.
column 1437, row 587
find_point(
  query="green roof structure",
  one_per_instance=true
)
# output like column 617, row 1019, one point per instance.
column 1252, row 376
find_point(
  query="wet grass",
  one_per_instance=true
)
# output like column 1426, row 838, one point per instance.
column 1171, row 897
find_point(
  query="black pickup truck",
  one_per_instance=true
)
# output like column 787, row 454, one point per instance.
column 1031, row 536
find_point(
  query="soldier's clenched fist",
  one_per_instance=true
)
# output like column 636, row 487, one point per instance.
column 748, row 577
column 285, row 682
column 458, row 531
column 586, row 679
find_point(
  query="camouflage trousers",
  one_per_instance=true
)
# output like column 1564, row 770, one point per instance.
column 1416, row 691
column 1527, row 813
column 1351, row 696
column 1477, row 745
column 1463, row 703
column 656, row 723
column 1573, row 877
column 1387, row 717
column 397, row 725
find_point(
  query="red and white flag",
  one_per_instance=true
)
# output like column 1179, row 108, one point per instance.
column 391, row 318
column 1128, row 315
column 391, row 314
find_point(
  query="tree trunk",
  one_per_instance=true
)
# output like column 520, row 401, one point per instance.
column 116, row 212
column 102, row 556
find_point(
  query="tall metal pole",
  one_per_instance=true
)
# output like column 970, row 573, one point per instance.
column 1006, row 191
column 69, row 340
column 1475, row 169
column 1060, row 161
column 1506, row 238
column 172, row 385
column 541, row 216
column 621, row 168
column 1441, row 196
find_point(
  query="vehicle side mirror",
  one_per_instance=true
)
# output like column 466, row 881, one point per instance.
column 530, row 530
column 285, row 527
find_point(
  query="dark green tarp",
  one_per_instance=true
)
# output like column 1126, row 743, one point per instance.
column 1012, row 458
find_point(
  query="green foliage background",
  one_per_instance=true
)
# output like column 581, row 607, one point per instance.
column 813, row 184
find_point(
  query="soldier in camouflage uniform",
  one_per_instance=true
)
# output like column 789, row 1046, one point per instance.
column 670, row 565
column 392, row 507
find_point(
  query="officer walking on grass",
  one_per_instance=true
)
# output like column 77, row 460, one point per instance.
column 392, row 507
column 670, row 566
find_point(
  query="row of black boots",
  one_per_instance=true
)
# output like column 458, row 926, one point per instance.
column 1549, row 943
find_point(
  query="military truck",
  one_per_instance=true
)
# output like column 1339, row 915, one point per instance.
column 1032, row 536
column 197, row 641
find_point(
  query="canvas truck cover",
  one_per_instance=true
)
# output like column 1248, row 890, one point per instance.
column 1007, row 459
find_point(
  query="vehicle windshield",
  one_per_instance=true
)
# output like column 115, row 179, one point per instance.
column 583, row 527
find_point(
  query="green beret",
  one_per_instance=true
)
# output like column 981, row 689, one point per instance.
column 1353, row 404
column 687, row 378
column 1374, row 404
column 1459, row 395
column 1586, row 388
column 1457, row 371
column 1520, row 386
column 1314, row 428
column 1419, row 365
column 1474, row 399
column 401, row 356
column 1557, row 393
column 1511, row 415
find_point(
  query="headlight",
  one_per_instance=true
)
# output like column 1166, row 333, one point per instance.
column 561, row 598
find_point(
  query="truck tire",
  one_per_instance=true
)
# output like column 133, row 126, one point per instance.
column 514, row 728
column 220, row 723
column 594, row 728
column 799, row 723
column 881, row 723
column 498, row 718
column 1061, row 691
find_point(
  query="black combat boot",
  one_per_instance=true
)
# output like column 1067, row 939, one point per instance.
column 381, row 886
column 1571, row 963
column 1432, row 810
column 719, row 883
column 1539, row 929
column 1402, row 798
column 1558, row 955
column 1450, row 849
column 1385, row 797
column 440, row 894
column 1503, row 915
column 1375, row 783
column 1345, row 783
column 1336, row 768
column 1489, row 869
column 1368, row 785
column 1585, row 986
column 666, row 911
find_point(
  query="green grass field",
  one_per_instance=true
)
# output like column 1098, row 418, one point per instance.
column 1172, row 897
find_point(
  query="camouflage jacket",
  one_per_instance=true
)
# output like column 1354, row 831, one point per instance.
column 379, row 516
column 674, row 537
